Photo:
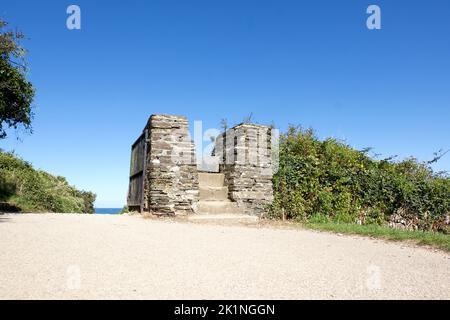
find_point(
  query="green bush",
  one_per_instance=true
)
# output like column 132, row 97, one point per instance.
column 37, row 191
column 124, row 210
column 330, row 181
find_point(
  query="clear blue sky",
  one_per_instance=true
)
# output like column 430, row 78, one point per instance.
column 312, row 63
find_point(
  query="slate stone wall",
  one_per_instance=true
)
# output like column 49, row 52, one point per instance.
column 164, row 174
column 245, row 157
column 171, row 177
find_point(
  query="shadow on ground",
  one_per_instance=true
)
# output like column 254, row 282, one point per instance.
column 7, row 208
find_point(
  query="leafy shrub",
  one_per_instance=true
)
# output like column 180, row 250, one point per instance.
column 37, row 191
column 330, row 181
column 124, row 210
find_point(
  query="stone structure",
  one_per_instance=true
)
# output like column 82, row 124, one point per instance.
column 164, row 178
column 170, row 178
column 245, row 153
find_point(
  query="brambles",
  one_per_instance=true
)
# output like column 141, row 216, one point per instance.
column 328, row 180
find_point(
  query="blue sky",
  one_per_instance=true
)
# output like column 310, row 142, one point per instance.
column 312, row 63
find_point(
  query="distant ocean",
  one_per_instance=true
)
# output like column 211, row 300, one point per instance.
column 107, row 210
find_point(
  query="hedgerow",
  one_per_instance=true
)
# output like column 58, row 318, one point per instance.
column 330, row 181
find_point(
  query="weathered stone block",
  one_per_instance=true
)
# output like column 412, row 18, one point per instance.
column 171, row 181
column 245, row 159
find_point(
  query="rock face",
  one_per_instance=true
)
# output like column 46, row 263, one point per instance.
column 245, row 158
column 164, row 178
column 171, row 178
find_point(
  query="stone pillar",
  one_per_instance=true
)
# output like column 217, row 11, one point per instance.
column 171, row 178
column 245, row 159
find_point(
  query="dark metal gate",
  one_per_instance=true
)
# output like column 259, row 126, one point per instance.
column 135, row 199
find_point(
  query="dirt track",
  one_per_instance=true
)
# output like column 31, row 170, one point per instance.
column 103, row 256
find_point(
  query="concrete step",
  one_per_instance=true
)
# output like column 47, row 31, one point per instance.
column 209, row 164
column 212, row 207
column 208, row 179
column 224, row 217
column 214, row 193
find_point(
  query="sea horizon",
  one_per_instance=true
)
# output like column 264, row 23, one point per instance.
column 107, row 210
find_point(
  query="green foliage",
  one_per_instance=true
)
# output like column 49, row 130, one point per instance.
column 438, row 240
column 16, row 93
column 330, row 181
column 124, row 210
column 37, row 191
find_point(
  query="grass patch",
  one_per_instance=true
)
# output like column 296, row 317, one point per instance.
column 434, row 239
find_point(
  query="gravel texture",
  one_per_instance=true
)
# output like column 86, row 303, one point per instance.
column 48, row 256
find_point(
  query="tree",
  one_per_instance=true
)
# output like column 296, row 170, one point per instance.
column 16, row 92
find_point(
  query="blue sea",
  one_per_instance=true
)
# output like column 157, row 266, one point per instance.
column 107, row 210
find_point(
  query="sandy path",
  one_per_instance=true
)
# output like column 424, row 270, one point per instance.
column 102, row 256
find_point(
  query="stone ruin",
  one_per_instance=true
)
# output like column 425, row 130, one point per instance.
column 245, row 158
column 165, row 179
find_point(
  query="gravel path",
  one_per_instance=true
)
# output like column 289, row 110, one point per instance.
column 103, row 256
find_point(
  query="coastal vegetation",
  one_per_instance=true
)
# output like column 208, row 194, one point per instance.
column 26, row 189
column 328, row 182
column 23, row 188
